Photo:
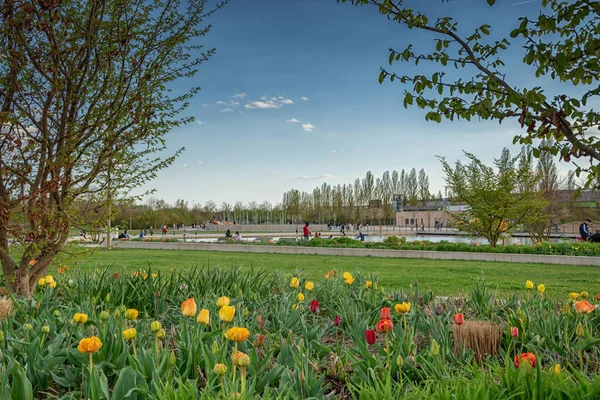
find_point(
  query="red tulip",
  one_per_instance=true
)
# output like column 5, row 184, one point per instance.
column 371, row 336
column 116, row 276
column 459, row 319
column 514, row 331
column 384, row 326
column 598, row 297
column 385, row 313
column 314, row 306
column 337, row 320
column 525, row 357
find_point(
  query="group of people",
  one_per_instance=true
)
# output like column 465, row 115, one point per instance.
column 236, row 236
column 306, row 233
column 584, row 232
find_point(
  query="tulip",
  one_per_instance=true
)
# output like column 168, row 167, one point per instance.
column 42, row 282
column 584, row 294
column 371, row 336
column 584, row 307
column 529, row 285
column 309, row 286
column 45, row 329
column 116, row 275
column 226, row 313
column 129, row 334
column 435, row 348
column 402, row 308
column 203, row 317
column 300, row 297
column 80, row 318
column 314, row 306
column 155, row 326
column 240, row 359
column 261, row 322
column 56, row 313
column 384, row 313
column 27, row 327
column 337, row 320
column 161, row 334
column 557, row 369
column 259, row 340
column 104, row 315
column 223, row 301
column 237, row 334
column 188, row 307
column 598, row 297
column 220, row 369
column 399, row 361
column 525, row 357
column 172, row 359
column 294, row 284
column 514, row 331
column 52, row 285
column 541, row 288
column 573, row 295
column 368, row 284
column 348, row 278
column 89, row 345
column 579, row 330
column 49, row 279
column 384, row 326
column 131, row 314
column 459, row 319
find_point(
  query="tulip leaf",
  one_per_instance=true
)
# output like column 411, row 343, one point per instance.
column 21, row 386
column 127, row 381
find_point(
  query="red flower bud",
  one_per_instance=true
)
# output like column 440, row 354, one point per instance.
column 525, row 357
column 514, row 331
column 337, row 320
column 384, row 326
column 314, row 306
column 459, row 319
column 385, row 313
column 371, row 336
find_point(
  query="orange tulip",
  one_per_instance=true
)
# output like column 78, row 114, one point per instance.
column 236, row 334
column 89, row 345
column 188, row 307
column 385, row 326
column 584, row 307
column 459, row 319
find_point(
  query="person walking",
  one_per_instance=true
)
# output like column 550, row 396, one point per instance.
column 584, row 230
column 306, row 231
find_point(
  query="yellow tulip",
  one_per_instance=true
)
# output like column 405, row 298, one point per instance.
column 80, row 318
column 52, row 284
column 368, row 284
column 223, row 301
column 300, row 297
column 237, row 334
column 557, row 369
column 131, row 314
column 529, row 285
column 49, row 279
column 203, row 317
column 294, row 284
column 402, row 308
column 294, row 307
column 188, row 307
column 348, row 278
column 42, row 282
column 541, row 288
column 89, row 345
column 129, row 334
column 573, row 295
column 226, row 313
column 584, row 294
column 309, row 286
column 220, row 369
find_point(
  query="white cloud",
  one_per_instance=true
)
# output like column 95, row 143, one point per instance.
column 239, row 95
column 220, row 102
column 184, row 165
column 200, row 162
column 226, row 110
column 273, row 173
column 304, row 98
column 287, row 101
column 308, row 127
column 261, row 104
column 281, row 97
column 204, row 105
column 314, row 177
column 199, row 122
column 234, row 103
column 293, row 121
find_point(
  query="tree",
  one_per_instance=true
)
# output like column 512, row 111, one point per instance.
column 423, row 184
column 561, row 43
column 497, row 200
column 85, row 102
column 412, row 188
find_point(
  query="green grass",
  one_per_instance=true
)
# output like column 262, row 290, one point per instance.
column 444, row 277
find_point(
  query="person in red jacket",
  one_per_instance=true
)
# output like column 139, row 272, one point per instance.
column 306, row 231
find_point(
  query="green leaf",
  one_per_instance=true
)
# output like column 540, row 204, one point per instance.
column 438, row 46
column 381, row 76
column 491, row 2
column 21, row 386
column 128, row 380
column 485, row 29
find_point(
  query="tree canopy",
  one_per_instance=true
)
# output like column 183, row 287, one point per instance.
column 87, row 95
column 562, row 43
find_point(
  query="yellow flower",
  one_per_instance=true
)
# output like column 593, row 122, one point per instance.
column 368, row 284
column 240, row 359
column 309, row 286
column 573, row 295
column 155, row 326
column 42, row 282
column 348, row 278
column 584, row 294
column 154, row 275
column 223, row 301
column 237, row 334
column 203, row 317
column 52, row 284
column 188, row 307
column 294, row 307
column 557, row 369
column 541, row 288
column 220, row 369
column 226, row 313
column 80, row 318
column 129, row 334
column 529, row 285
column 300, row 297
column 294, row 283
column 89, row 345
column 131, row 314
column 49, row 279
column 402, row 308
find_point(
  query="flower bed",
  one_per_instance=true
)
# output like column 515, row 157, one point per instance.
column 211, row 333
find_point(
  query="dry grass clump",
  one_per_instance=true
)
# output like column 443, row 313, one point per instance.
column 6, row 308
column 480, row 336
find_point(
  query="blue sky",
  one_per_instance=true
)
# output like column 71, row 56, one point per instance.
column 292, row 99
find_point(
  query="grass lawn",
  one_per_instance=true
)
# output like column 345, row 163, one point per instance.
column 444, row 277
